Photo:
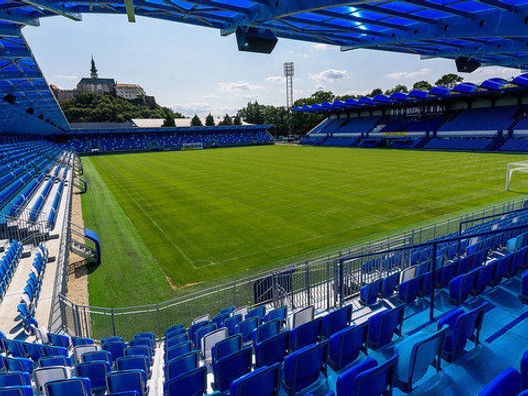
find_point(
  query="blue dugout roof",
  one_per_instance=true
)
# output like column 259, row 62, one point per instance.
column 464, row 90
column 487, row 32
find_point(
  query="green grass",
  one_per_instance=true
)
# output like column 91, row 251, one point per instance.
column 206, row 216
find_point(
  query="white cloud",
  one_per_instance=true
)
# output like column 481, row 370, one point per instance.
column 275, row 79
column 66, row 77
column 484, row 73
column 330, row 75
column 321, row 47
column 237, row 87
column 202, row 109
column 409, row 74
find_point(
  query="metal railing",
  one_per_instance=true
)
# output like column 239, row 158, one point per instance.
column 324, row 282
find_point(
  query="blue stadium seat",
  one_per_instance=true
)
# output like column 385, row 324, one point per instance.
column 20, row 390
column 337, row 320
column 246, row 328
column 264, row 381
column 116, row 348
column 345, row 345
column 96, row 371
column 232, row 323
column 33, row 350
column 368, row 294
column 59, row 340
column 134, row 363
column 266, row 330
column 123, row 381
column 226, row 347
column 192, row 383
column 416, row 353
column 258, row 312
column 15, row 347
column 106, row 340
column 524, row 288
column 305, row 334
column 462, row 326
column 98, row 355
column 55, row 351
column 174, row 330
column 507, row 383
column 368, row 378
column 49, row 361
column 178, row 350
column 389, row 285
column 14, row 378
column 231, row 367
column 17, row 364
column 461, row 286
column 78, row 341
column 384, row 325
column 201, row 332
column 181, row 365
column 408, row 290
column 176, row 340
column 273, row 350
column 303, row 367
column 69, row 387
column 279, row 313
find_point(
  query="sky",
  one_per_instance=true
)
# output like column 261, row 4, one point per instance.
column 195, row 70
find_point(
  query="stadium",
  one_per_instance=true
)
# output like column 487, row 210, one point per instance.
column 384, row 252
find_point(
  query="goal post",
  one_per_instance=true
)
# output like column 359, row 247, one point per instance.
column 521, row 166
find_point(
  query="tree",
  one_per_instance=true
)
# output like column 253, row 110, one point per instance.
column 397, row 88
column 226, row 121
column 237, row 120
column 449, row 80
column 209, row 120
column 169, row 121
column 195, row 121
column 422, row 85
column 376, row 91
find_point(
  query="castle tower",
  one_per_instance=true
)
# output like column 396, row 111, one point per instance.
column 93, row 70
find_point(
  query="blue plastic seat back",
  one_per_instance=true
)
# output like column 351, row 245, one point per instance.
column 409, row 290
column 201, row 332
column 146, row 334
column 116, row 348
column 484, row 278
column 14, row 378
column 389, row 284
column 176, row 340
column 306, row 334
column 106, row 340
column 426, row 284
column 279, row 313
column 49, row 361
column 133, row 363
column 219, row 319
column 175, row 330
column 369, row 293
column 59, row 340
column 97, row 355
column 266, row 330
column 345, row 345
column 273, row 350
column 178, row 350
column 33, row 350
column 78, row 341
column 303, row 367
column 68, row 387
column 264, row 381
column 194, row 328
column 226, row 311
column 139, row 350
column 231, row 367
column 18, row 364
column 192, row 383
column 19, row 390
column 95, row 371
column 464, row 265
column 507, row 383
column 232, row 323
column 501, row 269
column 416, row 353
column 368, row 378
column 227, row 346
column 258, row 312
column 128, row 380
column 15, row 347
column 524, row 288
column 142, row 341
column 181, row 365
column 479, row 258
column 382, row 326
column 336, row 321
column 447, row 272
column 517, row 262
column 246, row 327
column 55, row 351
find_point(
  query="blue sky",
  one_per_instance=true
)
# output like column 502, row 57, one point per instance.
column 195, row 70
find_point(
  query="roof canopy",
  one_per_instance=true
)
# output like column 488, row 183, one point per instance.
column 493, row 86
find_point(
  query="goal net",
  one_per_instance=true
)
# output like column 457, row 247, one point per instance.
column 521, row 166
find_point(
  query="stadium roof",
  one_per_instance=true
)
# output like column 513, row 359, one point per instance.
column 464, row 90
column 473, row 32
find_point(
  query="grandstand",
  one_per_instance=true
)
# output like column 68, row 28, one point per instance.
column 439, row 309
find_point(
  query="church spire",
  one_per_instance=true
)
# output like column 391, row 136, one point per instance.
column 93, row 69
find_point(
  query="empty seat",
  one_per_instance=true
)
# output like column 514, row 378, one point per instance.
column 462, row 326
column 116, row 348
column 266, row 330
column 368, row 378
column 277, row 314
column 127, row 380
column 49, row 361
column 99, row 355
column 176, row 340
column 384, row 325
column 192, row 383
column 68, row 387
column 181, row 365
column 178, row 350
column 226, row 347
column 389, row 284
column 19, row 390
column 264, row 381
column 336, row 320
column 416, row 353
column 232, row 323
column 96, row 372
column 305, row 334
column 507, row 383
column 368, row 294
column 258, row 312
column 246, row 327
column 134, row 363
column 42, row 375
column 231, row 367
column 201, row 332
column 305, row 315
column 345, row 345
column 78, row 351
column 272, row 350
column 462, row 285
column 210, row 339
column 14, row 378
column 408, row 290
column 303, row 367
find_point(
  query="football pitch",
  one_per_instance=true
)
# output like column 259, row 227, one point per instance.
column 174, row 222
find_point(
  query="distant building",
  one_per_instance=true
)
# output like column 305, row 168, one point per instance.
column 103, row 86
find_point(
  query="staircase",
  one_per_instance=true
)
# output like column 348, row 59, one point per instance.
column 79, row 246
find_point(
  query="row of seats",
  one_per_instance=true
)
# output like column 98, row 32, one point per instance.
column 52, row 216
column 8, row 264
column 509, row 382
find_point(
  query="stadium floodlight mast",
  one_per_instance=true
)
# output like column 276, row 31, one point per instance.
column 288, row 74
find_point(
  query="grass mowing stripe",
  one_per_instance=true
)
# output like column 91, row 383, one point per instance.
column 232, row 212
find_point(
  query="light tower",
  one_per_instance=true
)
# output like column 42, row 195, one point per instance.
column 288, row 74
